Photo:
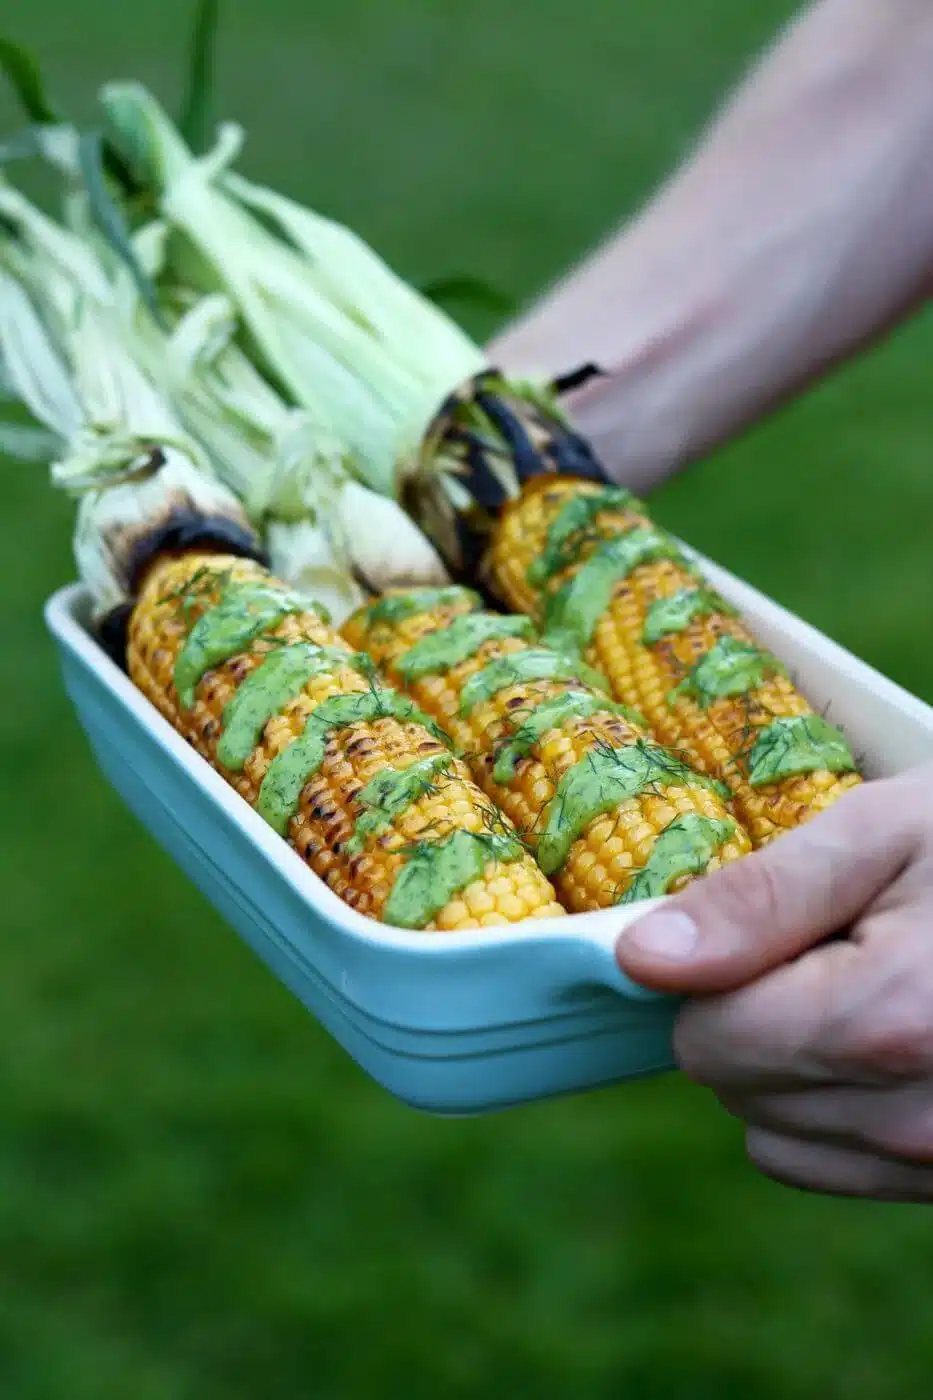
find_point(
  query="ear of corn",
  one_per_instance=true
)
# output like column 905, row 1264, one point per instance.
column 587, row 788
column 590, row 566
column 363, row 786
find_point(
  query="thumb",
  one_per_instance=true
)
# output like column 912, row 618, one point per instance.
column 767, row 908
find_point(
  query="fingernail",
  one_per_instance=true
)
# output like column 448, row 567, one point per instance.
column 671, row 936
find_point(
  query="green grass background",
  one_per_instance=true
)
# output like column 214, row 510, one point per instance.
column 200, row 1194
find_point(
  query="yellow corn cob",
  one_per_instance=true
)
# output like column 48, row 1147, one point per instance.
column 366, row 862
column 531, row 729
column 689, row 665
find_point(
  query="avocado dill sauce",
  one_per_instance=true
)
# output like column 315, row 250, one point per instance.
column 281, row 676
column 571, row 614
column 396, row 607
column 798, row 744
column 242, row 613
column 288, row 772
column 686, row 847
column 673, row 614
column 533, row 664
column 730, row 667
column 392, row 792
column 436, row 871
column 439, row 651
column 575, row 517
column 599, row 782
column 551, row 714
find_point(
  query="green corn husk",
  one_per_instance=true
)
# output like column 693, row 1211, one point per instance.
column 121, row 450
column 423, row 416
column 326, row 532
column 300, row 330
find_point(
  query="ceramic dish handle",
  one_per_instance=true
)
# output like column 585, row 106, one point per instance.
column 603, row 936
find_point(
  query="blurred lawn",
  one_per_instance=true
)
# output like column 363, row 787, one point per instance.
column 200, row 1195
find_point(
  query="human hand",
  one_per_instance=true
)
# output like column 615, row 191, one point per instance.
column 823, row 1049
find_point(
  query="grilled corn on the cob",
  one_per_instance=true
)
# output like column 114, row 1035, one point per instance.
column 364, row 787
column 590, row 566
column 427, row 420
column 611, row 815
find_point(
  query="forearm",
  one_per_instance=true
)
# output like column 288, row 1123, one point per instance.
column 800, row 230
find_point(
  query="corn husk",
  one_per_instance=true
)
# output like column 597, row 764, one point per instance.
column 122, row 451
column 313, row 349
column 326, row 532
column 422, row 414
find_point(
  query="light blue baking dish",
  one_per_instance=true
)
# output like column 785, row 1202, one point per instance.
column 456, row 1023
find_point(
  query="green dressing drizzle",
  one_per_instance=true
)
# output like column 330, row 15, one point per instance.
column 798, row 744
column 571, row 614
column 674, row 614
column 533, row 664
column 574, row 516
column 242, row 612
column 438, row 870
column 279, row 678
column 551, row 714
column 686, row 847
column 397, row 606
column 289, row 770
column 391, row 792
column 440, row 650
column 730, row 667
column 600, row 781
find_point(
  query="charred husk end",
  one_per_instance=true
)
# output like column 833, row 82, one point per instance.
column 490, row 437
column 183, row 528
column 186, row 528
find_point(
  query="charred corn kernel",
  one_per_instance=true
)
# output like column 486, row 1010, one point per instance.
column 362, row 785
column 587, row 563
column 581, row 779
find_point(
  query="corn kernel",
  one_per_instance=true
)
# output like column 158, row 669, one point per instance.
column 454, row 915
column 511, row 908
column 478, row 899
